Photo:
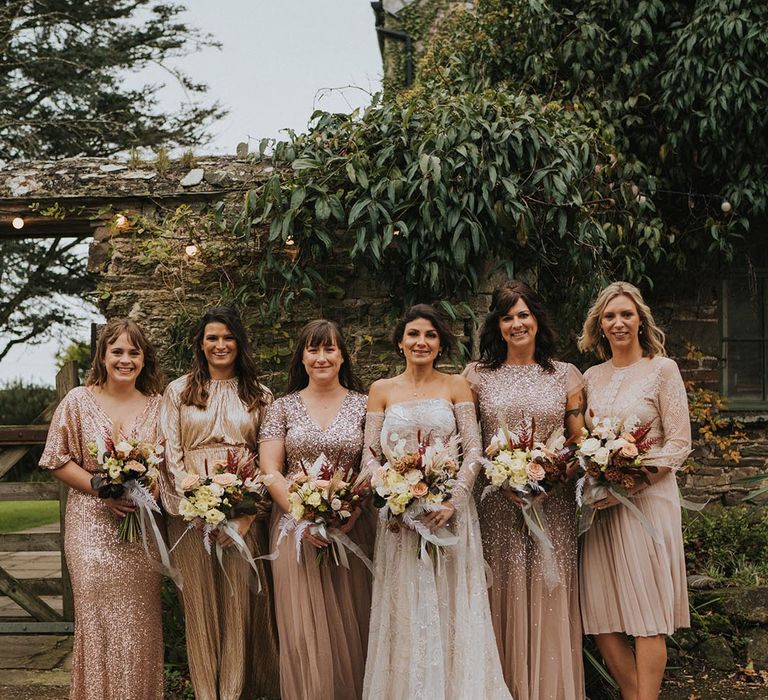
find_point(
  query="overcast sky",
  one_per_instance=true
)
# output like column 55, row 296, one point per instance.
column 280, row 60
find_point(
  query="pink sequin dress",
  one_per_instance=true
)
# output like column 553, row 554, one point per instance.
column 538, row 629
column 118, row 646
column 322, row 609
column 629, row 583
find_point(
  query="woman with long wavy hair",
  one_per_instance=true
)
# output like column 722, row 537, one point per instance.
column 633, row 568
column 322, row 606
column 118, row 648
column 534, row 595
column 215, row 410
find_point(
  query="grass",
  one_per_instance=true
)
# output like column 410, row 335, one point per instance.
column 22, row 515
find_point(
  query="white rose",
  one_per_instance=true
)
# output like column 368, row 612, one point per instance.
column 314, row 499
column 216, row 489
column 336, row 504
column 589, row 446
column 601, row 456
column 412, row 476
column 123, row 449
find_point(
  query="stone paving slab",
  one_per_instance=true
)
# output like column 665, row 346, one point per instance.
column 35, row 652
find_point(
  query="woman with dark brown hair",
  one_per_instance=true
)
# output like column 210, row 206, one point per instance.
column 118, row 649
column 218, row 407
column 322, row 607
column 535, row 595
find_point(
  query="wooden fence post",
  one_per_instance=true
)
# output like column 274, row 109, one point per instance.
column 66, row 380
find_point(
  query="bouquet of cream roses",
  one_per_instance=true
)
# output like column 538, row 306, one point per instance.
column 232, row 488
column 517, row 461
column 411, row 484
column 127, row 469
column 612, row 458
column 322, row 498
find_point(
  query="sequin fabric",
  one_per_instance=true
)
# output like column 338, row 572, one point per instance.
column 322, row 608
column 342, row 441
column 230, row 627
column 118, row 645
column 538, row 630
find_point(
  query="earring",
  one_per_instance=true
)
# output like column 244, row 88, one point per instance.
column 439, row 354
column 641, row 330
column 401, row 352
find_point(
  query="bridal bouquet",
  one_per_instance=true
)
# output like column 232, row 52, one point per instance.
column 411, row 484
column 231, row 488
column 322, row 498
column 517, row 461
column 611, row 456
column 127, row 469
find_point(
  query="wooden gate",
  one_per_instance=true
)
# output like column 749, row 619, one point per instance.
column 15, row 442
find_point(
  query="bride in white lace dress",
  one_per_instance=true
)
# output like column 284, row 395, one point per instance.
column 430, row 632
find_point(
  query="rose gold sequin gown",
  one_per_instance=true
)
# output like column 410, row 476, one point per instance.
column 231, row 635
column 322, row 609
column 118, row 646
column 538, row 630
column 629, row 583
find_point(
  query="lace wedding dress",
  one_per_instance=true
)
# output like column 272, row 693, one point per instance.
column 430, row 631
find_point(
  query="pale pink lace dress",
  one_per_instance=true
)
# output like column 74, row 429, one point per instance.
column 629, row 583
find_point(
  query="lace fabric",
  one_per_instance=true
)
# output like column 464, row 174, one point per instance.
column 430, row 633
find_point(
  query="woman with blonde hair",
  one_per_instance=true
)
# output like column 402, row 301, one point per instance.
column 632, row 570
column 118, row 648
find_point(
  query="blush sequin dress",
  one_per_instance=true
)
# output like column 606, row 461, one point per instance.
column 118, row 645
column 430, row 635
column 230, row 627
column 629, row 583
column 538, row 629
column 322, row 609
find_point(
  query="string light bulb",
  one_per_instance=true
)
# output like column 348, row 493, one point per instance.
column 18, row 223
column 726, row 207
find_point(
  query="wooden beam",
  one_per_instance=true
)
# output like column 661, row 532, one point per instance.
column 31, row 542
column 66, row 379
column 37, row 627
column 42, row 586
column 15, row 590
column 29, row 491
column 9, row 457
column 23, row 435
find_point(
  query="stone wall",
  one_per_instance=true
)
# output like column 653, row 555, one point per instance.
column 130, row 284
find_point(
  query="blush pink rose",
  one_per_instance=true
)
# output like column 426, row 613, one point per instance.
column 135, row 466
column 419, row 489
column 225, row 479
column 190, row 482
column 536, row 471
column 629, row 451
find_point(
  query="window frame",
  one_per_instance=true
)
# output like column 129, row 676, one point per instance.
column 734, row 402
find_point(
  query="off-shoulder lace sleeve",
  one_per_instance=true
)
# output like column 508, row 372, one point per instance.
column 170, row 428
column 64, row 443
column 574, row 381
column 675, row 420
column 471, row 453
column 372, row 453
column 275, row 423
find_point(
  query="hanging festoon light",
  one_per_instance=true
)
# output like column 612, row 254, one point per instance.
column 726, row 207
column 18, row 223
